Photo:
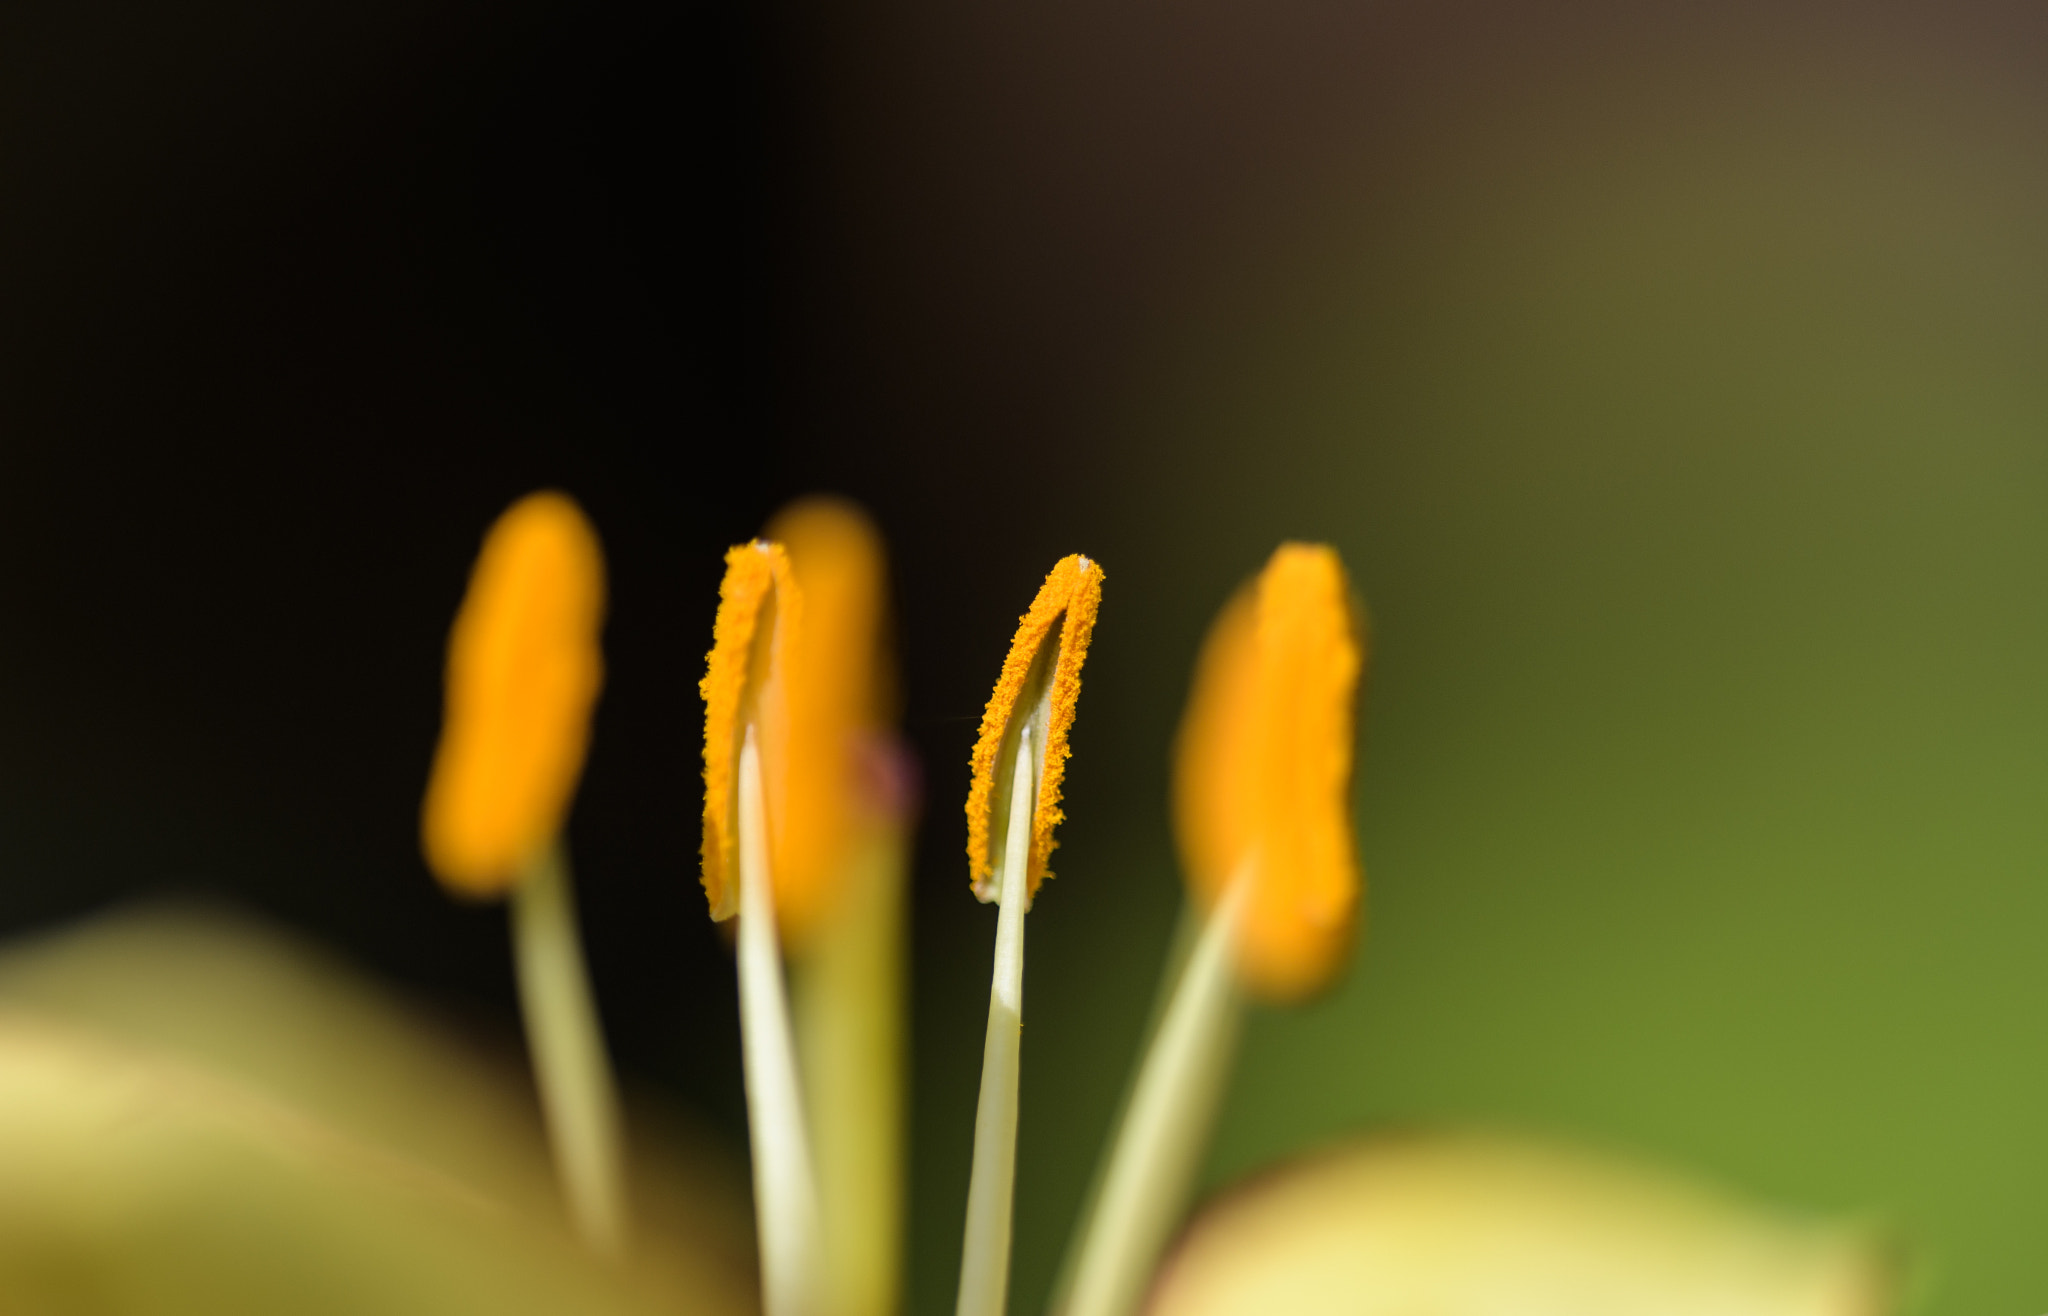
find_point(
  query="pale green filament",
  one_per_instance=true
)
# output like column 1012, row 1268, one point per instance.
column 577, row 1096
column 785, row 1193
column 985, row 1253
column 1160, row 1141
column 847, row 993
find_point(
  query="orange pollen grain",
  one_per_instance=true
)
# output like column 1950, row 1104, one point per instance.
column 524, row 670
column 1071, row 596
column 1262, row 777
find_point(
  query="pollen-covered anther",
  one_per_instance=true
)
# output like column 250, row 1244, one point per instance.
column 1040, row 682
column 758, row 613
column 1263, row 769
column 795, row 655
column 524, row 670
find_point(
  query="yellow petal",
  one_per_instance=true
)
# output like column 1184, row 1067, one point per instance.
column 759, row 611
column 1263, row 769
column 524, row 671
column 835, row 698
column 1483, row 1225
column 1071, row 596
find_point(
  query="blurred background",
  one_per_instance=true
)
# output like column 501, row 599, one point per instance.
column 1673, row 379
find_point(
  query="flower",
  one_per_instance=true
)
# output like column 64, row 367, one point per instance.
column 173, row 1145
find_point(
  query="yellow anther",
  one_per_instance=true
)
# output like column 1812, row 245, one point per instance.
column 835, row 696
column 524, row 671
column 1263, row 769
column 759, row 610
column 1040, row 669
column 795, row 652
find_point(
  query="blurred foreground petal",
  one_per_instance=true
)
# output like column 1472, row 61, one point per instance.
column 200, row 1115
column 1476, row 1225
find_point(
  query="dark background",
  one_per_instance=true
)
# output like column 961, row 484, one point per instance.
column 296, row 299
column 1672, row 380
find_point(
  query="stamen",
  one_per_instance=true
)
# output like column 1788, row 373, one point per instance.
column 1018, row 763
column 524, row 670
column 785, row 1196
column 985, row 1252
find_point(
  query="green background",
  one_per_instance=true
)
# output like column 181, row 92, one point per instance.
column 1689, row 444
